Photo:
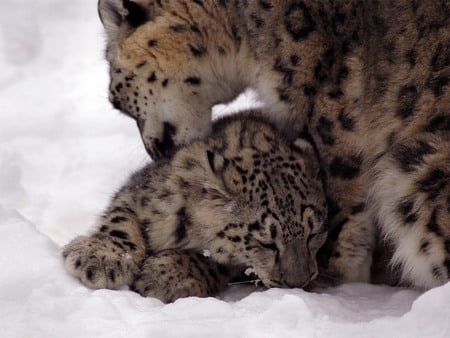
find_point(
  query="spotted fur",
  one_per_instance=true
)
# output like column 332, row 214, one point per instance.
column 244, row 196
column 367, row 81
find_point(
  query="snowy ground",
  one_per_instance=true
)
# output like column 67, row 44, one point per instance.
column 63, row 151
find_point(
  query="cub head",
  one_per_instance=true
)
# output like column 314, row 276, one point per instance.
column 165, row 72
column 260, row 200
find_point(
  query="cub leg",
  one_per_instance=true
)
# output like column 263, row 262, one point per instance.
column 111, row 257
column 172, row 274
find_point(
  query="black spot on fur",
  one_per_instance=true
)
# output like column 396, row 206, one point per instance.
column 152, row 77
column 295, row 60
column 183, row 222
column 235, row 33
column 280, row 67
column 439, row 123
column 152, row 43
column 197, row 51
column 273, row 231
column 299, row 21
column 441, row 57
column 137, row 15
column 78, row 263
column 259, row 22
column 112, row 275
column 409, row 155
column 411, row 57
column 123, row 210
column 433, row 225
column 325, row 130
column 346, row 168
column 309, row 90
column 436, row 271
column 90, row 273
column 407, row 99
column 119, row 234
column 193, row 80
column 438, row 83
column 434, row 182
column 179, row 28
column 346, row 121
column 335, row 94
column 254, row 226
column 131, row 245
column 265, row 5
column 356, row 209
column 424, row 246
column 118, row 219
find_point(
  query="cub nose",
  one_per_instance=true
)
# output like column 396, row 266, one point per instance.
column 296, row 265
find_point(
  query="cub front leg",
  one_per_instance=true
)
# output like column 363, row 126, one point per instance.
column 111, row 257
column 172, row 274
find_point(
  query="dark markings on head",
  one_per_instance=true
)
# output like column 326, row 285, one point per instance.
column 433, row 225
column 184, row 221
column 118, row 219
column 119, row 234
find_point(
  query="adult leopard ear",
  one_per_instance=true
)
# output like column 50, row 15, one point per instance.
column 114, row 13
column 216, row 162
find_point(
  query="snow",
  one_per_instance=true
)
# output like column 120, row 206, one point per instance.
column 63, row 152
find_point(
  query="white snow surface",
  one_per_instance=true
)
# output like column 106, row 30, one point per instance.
column 64, row 151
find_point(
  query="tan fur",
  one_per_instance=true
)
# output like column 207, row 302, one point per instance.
column 244, row 195
column 368, row 81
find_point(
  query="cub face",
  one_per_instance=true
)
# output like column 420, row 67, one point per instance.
column 263, row 204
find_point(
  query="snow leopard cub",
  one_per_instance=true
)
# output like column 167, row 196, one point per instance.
column 243, row 195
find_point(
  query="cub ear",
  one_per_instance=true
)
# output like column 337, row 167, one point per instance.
column 216, row 161
column 113, row 13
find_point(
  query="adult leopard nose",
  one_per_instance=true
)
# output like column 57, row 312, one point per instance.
column 165, row 146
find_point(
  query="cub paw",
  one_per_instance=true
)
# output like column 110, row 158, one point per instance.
column 99, row 263
column 169, row 276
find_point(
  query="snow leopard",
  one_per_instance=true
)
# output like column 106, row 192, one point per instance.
column 367, row 82
column 243, row 198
